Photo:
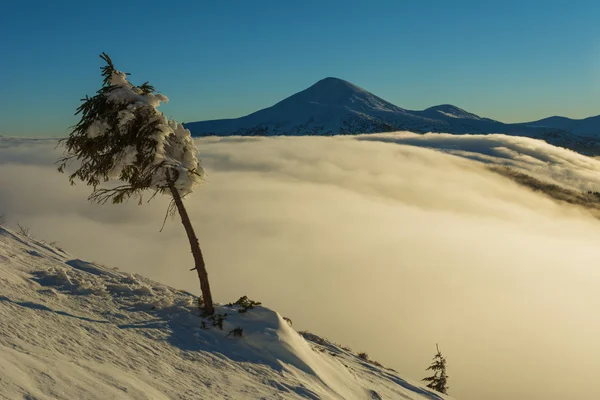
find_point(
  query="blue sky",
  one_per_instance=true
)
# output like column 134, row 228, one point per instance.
column 507, row 60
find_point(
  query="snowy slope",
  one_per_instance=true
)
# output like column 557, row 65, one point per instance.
column 71, row 329
column 334, row 106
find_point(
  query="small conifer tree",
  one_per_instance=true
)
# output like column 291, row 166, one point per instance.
column 122, row 136
column 439, row 380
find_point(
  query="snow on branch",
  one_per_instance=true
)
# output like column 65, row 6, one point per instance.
column 122, row 136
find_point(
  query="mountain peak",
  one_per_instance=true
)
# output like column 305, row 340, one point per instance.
column 333, row 90
column 340, row 94
column 445, row 107
column 450, row 111
column 334, row 79
column 333, row 82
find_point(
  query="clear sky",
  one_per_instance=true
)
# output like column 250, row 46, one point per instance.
column 509, row 60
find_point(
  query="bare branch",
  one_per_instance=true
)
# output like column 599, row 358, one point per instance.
column 170, row 212
column 23, row 230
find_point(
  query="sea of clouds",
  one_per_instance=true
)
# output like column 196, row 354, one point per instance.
column 386, row 243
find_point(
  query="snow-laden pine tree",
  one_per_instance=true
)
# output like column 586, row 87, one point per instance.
column 122, row 136
column 439, row 380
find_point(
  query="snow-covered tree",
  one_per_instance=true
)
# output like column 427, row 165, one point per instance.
column 123, row 137
column 439, row 380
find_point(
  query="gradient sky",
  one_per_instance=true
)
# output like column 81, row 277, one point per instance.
column 511, row 60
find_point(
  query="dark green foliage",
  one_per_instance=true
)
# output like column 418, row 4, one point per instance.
column 236, row 332
column 97, row 156
column 108, row 69
column 245, row 304
column 214, row 319
column 363, row 356
column 439, row 380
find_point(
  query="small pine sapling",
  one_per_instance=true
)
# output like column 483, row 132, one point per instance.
column 236, row 332
column 245, row 304
column 439, row 380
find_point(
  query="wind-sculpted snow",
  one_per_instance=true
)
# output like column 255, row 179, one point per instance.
column 387, row 245
column 74, row 329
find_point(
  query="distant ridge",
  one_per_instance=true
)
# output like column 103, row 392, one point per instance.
column 333, row 106
column 584, row 127
column 447, row 111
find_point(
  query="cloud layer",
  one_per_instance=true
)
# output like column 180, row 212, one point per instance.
column 384, row 243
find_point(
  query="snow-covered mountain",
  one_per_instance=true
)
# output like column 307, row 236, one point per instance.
column 334, row 106
column 71, row 329
column 330, row 106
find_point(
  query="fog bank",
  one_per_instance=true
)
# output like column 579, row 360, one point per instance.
column 386, row 243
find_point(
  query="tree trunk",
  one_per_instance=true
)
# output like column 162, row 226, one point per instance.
column 197, row 253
